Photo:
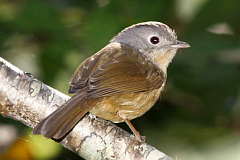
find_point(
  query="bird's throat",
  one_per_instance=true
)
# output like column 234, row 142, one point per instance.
column 163, row 60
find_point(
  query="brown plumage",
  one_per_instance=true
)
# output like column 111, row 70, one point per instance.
column 120, row 82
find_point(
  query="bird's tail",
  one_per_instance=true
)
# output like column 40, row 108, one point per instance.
column 64, row 118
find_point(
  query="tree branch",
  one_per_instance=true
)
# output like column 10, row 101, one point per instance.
column 28, row 100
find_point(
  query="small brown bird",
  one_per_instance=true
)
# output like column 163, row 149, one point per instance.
column 120, row 82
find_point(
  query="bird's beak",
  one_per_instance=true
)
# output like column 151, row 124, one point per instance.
column 180, row 44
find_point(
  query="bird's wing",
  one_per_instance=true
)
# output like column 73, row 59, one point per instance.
column 116, row 69
column 79, row 79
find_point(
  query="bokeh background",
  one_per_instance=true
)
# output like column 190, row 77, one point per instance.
column 198, row 115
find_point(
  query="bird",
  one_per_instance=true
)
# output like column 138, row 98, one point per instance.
column 120, row 82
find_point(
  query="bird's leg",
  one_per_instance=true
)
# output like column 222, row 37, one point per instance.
column 136, row 133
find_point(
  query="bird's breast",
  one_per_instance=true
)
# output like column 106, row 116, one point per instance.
column 125, row 106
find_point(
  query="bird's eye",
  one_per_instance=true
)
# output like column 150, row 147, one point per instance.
column 154, row 40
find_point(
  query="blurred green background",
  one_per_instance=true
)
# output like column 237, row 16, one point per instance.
column 197, row 117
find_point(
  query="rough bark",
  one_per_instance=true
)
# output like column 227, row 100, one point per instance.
column 28, row 100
